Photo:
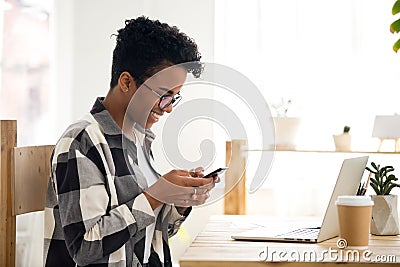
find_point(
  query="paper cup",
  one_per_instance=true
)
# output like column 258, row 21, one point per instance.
column 354, row 215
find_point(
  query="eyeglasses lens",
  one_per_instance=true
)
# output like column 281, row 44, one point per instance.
column 165, row 101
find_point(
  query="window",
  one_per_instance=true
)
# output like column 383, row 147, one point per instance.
column 334, row 59
column 25, row 68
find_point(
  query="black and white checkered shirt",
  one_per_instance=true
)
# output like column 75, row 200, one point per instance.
column 96, row 213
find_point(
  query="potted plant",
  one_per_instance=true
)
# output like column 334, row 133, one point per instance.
column 343, row 141
column 385, row 219
column 395, row 26
column 286, row 127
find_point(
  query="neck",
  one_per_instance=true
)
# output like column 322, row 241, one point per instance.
column 115, row 107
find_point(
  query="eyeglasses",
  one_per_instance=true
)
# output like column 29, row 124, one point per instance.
column 166, row 100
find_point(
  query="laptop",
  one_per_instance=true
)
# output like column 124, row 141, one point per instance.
column 347, row 183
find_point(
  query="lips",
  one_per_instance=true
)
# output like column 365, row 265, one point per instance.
column 157, row 116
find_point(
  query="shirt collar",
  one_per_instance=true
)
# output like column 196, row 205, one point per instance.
column 103, row 117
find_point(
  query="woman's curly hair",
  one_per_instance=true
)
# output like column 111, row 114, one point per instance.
column 145, row 46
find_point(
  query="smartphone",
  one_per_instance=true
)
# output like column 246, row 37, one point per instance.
column 216, row 172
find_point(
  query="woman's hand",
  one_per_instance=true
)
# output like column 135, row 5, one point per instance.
column 181, row 188
column 197, row 172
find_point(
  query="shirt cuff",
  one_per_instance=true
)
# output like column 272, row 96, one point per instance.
column 142, row 212
column 176, row 215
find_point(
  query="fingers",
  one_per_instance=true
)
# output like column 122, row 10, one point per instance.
column 194, row 200
column 187, row 200
column 179, row 172
column 189, row 178
column 191, row 193
column 192, row 182
column 201, row 199
column 188, row 197
column 177, row 187
column 191, row 196
column 201, row 190
column 197, row 172
column 208, row 187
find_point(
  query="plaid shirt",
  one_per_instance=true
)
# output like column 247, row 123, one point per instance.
column 96, row 213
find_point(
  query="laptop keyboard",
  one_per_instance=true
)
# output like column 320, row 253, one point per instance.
column 304, row 233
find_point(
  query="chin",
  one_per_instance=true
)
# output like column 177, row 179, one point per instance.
column 148, row 125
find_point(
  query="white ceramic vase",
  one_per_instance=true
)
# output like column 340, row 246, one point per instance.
column 385, row 218
column 286, row 129
column 342, row 142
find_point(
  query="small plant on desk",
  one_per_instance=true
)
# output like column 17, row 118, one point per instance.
column 383, row 180
column 385, row 219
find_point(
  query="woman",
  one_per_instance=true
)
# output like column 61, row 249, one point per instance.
column 106, row 205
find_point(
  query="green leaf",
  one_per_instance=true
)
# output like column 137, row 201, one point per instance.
column 368, row 169
column 389, row 168
column 389, row 180
column 386, row 191
column 395, row 26
column 379, row 176
column 375, row 166
column 389, row 188
column 375, row 185
column 396, row 46
column 376, row 189
column 374, row 181
column 396, row 7
column 380, row 172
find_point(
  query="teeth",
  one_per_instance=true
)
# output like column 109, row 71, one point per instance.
column 156, row 115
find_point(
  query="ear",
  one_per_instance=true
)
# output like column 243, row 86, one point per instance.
column 126, row 82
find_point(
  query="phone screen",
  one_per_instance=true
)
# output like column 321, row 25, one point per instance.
column 216, row 172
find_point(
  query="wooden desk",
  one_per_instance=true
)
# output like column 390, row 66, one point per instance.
column 214, row 247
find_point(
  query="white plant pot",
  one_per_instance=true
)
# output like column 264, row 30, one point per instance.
column 342, row 142
column 286, row 129
column 385, row 218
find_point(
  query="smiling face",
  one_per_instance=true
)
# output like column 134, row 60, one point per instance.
column 146, row 104
column 163, row 88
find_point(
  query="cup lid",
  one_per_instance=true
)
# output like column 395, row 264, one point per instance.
column 354, row 201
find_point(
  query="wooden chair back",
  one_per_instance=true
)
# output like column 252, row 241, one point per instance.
column 235, row 177
column 25, row 173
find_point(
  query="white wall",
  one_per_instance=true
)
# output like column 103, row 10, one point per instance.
column 83, row 44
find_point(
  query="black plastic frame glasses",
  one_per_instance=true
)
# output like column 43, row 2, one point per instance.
column 165, row 100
